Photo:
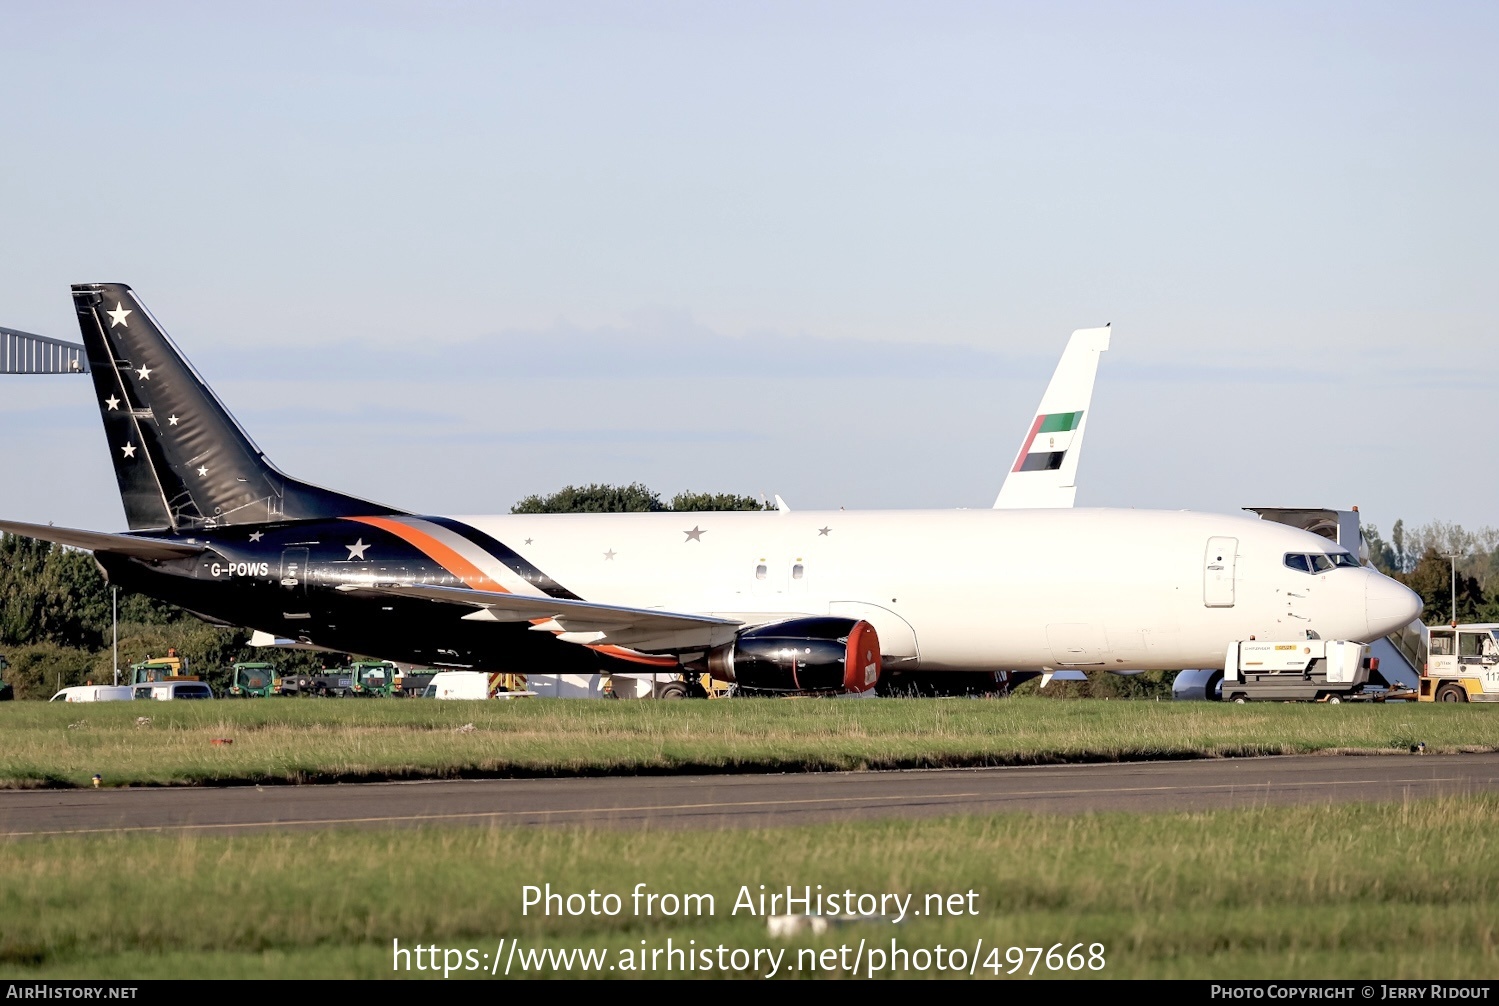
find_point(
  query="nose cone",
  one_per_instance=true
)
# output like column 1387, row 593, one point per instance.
column 1389, row 605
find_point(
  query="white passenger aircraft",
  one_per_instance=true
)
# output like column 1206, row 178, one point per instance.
column 781, row 601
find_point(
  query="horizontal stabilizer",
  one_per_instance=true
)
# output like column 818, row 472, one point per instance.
column 100, row 541
column 24, row 353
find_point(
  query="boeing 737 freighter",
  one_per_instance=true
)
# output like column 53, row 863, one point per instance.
column 780, row 600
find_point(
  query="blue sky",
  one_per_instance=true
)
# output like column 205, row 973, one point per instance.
column 448, row 255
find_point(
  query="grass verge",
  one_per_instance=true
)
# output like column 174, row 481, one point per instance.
column 298, row 741
column 1346, row 891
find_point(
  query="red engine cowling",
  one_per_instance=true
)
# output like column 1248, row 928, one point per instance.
column 820, row 654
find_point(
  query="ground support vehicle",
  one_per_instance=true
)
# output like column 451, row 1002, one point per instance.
column 1462, row 664
column 168, row 668
column 373, row 678
column 411, row 683
column 294, row 683
column 253, row 681
column 1298, row 670
column 94, row 693
column 166, row 691
column 474, row 685
column 336, row 683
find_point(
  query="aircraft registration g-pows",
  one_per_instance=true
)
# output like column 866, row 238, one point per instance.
column 776, row 600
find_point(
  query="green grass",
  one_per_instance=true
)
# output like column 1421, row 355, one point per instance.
column 1347, row 891
column 292, row 741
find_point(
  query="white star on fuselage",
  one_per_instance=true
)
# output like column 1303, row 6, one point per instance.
column 356, row 550
column 128, row 450
column 171, row 420
column 256, row 535
column 112, row 402
column 144, row 372
column 202, row 472
column 118, row 315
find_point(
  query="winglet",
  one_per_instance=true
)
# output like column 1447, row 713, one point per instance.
column 1045, row 471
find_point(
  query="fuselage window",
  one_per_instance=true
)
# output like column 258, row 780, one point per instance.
column 1298, row 562
column 760, row 571
column 1344, row 559
column 797, row 571
column 1320, row 563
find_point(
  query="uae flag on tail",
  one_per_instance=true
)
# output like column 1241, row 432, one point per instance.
column 1048, row 441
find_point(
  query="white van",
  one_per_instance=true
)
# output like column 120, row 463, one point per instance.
column 164, row 691
column 93, row 693
column 458, row 685
column 464, row 685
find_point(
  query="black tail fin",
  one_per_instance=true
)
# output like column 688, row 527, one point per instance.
column 180, row 458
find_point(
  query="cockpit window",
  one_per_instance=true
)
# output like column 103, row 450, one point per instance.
column 1317, row 562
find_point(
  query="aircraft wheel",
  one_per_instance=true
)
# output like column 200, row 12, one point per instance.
column 1452, row 693
column 672, row 690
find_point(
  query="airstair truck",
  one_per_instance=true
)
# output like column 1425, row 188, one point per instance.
column 1298, row 670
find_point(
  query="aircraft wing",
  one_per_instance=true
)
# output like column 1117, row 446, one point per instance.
column 1045, row 471
column 585, row 622
column 99, row 541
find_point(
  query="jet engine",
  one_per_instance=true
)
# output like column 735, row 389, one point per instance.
column 801, row 655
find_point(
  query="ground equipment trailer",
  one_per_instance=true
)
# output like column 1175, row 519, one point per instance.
column 1462, row 664
column 1298, row 670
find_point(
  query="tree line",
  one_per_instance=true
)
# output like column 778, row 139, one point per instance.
column 1427, row 558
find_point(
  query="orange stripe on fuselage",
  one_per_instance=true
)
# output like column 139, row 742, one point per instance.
column 471, row 575
column 475, row 578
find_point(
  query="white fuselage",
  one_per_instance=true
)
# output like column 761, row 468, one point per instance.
column 952, row 590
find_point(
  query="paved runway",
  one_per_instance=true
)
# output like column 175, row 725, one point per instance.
column 749, row 801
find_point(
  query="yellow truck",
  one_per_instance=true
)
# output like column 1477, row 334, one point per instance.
column 1462, row 664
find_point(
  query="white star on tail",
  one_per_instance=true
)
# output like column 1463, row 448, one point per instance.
column 202, row 472
column 112, row 402
column 144, row 372
column 356, row 550
column 128, row 450
column 118, row 315
column 171, row 420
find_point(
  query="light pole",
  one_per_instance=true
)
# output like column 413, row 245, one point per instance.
column 114, row 613
column 1452, row 557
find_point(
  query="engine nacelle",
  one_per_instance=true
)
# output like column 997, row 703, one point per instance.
column 802, row 655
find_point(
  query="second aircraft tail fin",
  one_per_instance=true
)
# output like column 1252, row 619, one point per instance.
column 1045, row 471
